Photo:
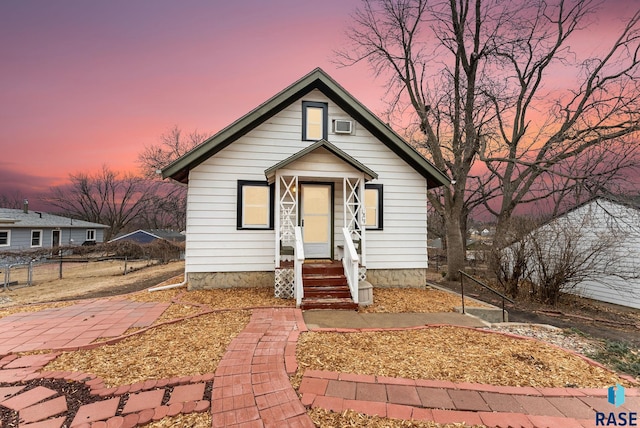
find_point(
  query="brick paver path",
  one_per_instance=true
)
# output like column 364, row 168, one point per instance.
column 74, row 326
column 447, row 402
column 251, row 386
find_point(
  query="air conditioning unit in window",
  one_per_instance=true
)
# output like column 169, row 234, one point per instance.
column 342, row 126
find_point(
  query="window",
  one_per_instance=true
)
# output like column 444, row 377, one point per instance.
column 255, row 205
column 36, row 238
column 314, row 120
column 5, row 238
column 91, row 235
column 373, row 206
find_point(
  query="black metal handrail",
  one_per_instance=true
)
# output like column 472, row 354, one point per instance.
column 485, row 286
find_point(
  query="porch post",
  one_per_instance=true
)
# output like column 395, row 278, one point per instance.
column 345, row 199
column 276, row 226
column 361, row 223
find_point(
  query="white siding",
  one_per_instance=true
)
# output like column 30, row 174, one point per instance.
column 600, row 221
column 624, row 222
column 214, row 244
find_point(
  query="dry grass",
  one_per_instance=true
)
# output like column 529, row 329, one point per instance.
column 449, row 353
column 189, row 347
column 95, row 277
column 429, row 300
column 326, row 419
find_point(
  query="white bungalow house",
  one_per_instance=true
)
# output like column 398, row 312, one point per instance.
column 309, row 175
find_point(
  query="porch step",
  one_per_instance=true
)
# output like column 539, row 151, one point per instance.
column 320, row 292
column 333, row 268
column 326, row 287
column 312, row 280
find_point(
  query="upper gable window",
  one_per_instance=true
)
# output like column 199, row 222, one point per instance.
column 315, row 117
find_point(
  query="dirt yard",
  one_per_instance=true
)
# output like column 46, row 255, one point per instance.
column 89, row 280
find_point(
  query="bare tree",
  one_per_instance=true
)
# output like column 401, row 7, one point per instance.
column 167, row 207
column 433, row 58
column 580, row 137
column 172, row 145
column 170, row 202
column 106, row 197
column 472, row 73
column 13, row 200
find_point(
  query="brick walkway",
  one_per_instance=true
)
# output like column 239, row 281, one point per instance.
column 70, row 327
column 251, row 388
column 447, row 402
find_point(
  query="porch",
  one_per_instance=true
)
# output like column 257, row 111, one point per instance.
column 319, row 217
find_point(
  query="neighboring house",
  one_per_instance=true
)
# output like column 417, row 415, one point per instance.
column 602, row 236
column 142, row 236
column 29, row 230
column 310, row 161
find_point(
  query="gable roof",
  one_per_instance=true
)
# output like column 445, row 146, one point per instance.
column 626, row 201
column 10, row 218
column 345, row 157
column 317, row 79
column 145, row 236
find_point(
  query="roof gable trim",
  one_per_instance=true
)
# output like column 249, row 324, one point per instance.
column 345, row 157
column 317, row 79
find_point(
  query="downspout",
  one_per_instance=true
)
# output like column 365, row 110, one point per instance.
column 170, row 286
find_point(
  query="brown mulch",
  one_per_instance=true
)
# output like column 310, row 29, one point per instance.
column 424, row 300
column 449, row 353
column 190, row 420
column 232, row 298
column 5, row 312
column 187, row 348
column 326, row 419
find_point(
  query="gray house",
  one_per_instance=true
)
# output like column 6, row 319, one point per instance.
column 27, row 230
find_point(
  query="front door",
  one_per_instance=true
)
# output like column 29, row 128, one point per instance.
column 316, row 220
column 55, row 238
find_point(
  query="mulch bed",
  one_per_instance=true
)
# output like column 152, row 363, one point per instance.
column 449, row 353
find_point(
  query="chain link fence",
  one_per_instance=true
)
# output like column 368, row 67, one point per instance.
column 31, row 268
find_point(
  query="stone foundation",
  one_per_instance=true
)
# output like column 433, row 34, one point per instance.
column 387, row 278
column 211, row 280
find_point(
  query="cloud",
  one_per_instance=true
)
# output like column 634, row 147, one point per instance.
column 16, row 185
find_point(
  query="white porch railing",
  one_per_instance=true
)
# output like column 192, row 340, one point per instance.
column 350, row 262
column 298, row 260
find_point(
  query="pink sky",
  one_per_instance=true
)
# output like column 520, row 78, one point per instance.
column 87, row 83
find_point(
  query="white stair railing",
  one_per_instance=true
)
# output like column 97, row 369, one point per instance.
column 350, row 262
column 298, row 260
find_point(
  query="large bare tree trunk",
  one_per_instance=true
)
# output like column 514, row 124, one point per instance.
column 455, row 246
